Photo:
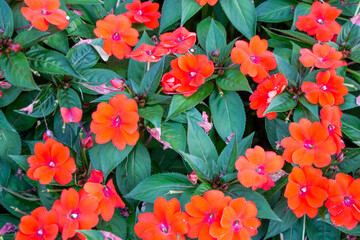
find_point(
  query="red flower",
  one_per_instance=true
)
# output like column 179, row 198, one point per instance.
column 254, row 58
column 41, row 224
column 344, row 201
column 309, row 144
column 42, row 12
column 254, row 169
column 265, row 93
column 146, row 13
column 170, row 83
column 329, row 89
column 320, row 22
column 51, row 160
column 238, row 221
column 166, row 223
column 330, row 118
column 73, row 115
column 148, row 53
column 96, row 176
column 116, row 121
column 323, row 56
column 204, row 211
column 75, row 212
column 179, row 41
column 117, row 34
column 191, row 71
column 210, row 2
column 306, row 191
column 106, row 195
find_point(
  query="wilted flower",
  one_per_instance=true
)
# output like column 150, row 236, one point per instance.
column 206, row 125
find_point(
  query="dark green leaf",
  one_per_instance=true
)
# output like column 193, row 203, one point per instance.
column 58, row 41
column 92, row 234
column 316, row 229
column 151, row 79
column 301, row 9
column 69, row 98
column 117, row 225
column 10, row 142
column 351, row 161
column 152, row 113
column 285, row 68
column 82, row 56
column 174, row 133
column 349, row 102
column 349, row 35
column 202, row 30
column 6, row 19
column 276, row 130
column 233, row 80
column 281, row 103
column 199, row 165
column 9, row 95
column 170, row 14
column 351, row 127
column 31, row 37
column 188, row 9
column 21, row 160
column 215, row 39
column 275, row 11
column 228, row 156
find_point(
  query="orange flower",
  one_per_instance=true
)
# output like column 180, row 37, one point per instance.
column 166, row 223
column 51, row 160
column 306, row 191
column 320, row 22
column 210, row 2
column 344, row 201
column 116, row 121
column 117, row 34
column 73, row 115
column 254, row 169
column 42, row 12
column 204, row 211
column 191, row 71
column 328, row 89
column 75, row 212
column 179, row 41
column 309, row 144
column 41, row 224
column 265, row 93
column 107, row 197
column 323, row 56
column 254, row 58
column 148, row 53
column 238, row 221
column 330, row 118
column 146, row 13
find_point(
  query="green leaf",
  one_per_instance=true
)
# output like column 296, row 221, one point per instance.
column 174, row 133
column 106, row 157
column 215, row 39
column 180, row 103
column 285, row 68
column 151, row 79
column 200, row 144
column 349, row 102
column 83, row 2
column 51, row 62
column 276, row 130
column 6, row 19
column 301, row 9
column 244, row 144
column 313, row 108
column 242, row 15
column 58, row 41
column 69, row 98
column 228, row 156
column 31, row 37
column 152, row 113
column 355, row 231
column 226, row 51
column 135, row 168
column 316, row 229
column 9, row 95
column 351, row 127
column 228, row 113
column 201, row 167
column 263, row 207
column 21, row 160
column 287, row 217
column 275, row 11
column 351, row 161
column 117, row 225
column 17, row 70
column 302, row 37
column 202, row 30
column 83, row 56
column 233, row 80
column 170, row 14
column 160, row 185
column 10, row 142
column 92, row 234
column 349, row 35
column 281, row 103
column 188, row 9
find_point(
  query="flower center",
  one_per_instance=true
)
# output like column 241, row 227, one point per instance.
column 210, row 218
column 260, row 170
column 74, row 215
column 236, row 226
column 107, row 191
column 308, row 145
column 254, row 59
column 44, row 12
column 348, row 201
column 116, row 37
column 331, row 128
column 117, row 121
column 320, row 59
column 139, row 12
column 163, row 228
column 303, row 191
column 193, row 74
column 40, row 232
column 52, row 164
column 324, row 88
column 320, row 21
column 179, row 40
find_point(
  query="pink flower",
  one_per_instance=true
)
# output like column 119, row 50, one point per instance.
column 73, row 115
column 206, row 125
column 356, row 20
column 156, row 133
column 358, row 100
column 29, row 109
column 103, row 88
column 193, row 177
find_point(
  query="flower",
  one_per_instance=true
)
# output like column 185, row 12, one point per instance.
column 309, row 144
column 323, row 56
column 48, row 134
column 73, row 115
column 7, row 228
column 96, row 176
column 42, row 12
column 146, row 13
column 179, row 41
column 306, row 191
column 344, row 201
column 330, row 118
column 118, row 35
column 166, row 222
column 75, row 212
column 170, row 83
column 265, row 93
column 193, row 177
column 116, row 121
column 329, row 89
column 117, row 83
column 148, row 53
column 191, row 71
column 238, row 221
column 255, row 167
column 356, row 20
column 210, row 2
column 254, row 58
column 206, row 125
column 88, row 142
column 29, row 109
column 320, row 22
column 15, row 47
column 156, row 133
column 107, row 197
column 41, row 224
column 51, row 160
column 204, row 211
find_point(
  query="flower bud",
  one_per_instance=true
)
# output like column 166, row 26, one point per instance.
column 117, row 83
column 15, row 47
column 339, row 157
column 88, row 142
column 48, row 134
column 193, row 177
column 215, row 53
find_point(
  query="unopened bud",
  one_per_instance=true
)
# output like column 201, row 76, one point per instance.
column 15, row 47
column 339, row 157
column 88, row 142
column 215, row 53
column 48, row 134
column 193, row 177
column 117, row 83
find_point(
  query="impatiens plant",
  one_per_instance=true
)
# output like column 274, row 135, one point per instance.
column 179, row 119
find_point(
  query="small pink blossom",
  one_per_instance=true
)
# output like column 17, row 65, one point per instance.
column 358, row 100
column 228, row 138
column 87, row 41
column 356, row 20
column 193, row 177
column 7, row 228
column 109, row 236
column 5, row 85
column 206, row 125
column 72, row 115
column 102, row 89
column 156, row 133
column 29, row 109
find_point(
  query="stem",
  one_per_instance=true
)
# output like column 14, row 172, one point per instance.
column 158, row 92
column 127, row 87
column 357, row 9
column 23, row 27
column 303, row 232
